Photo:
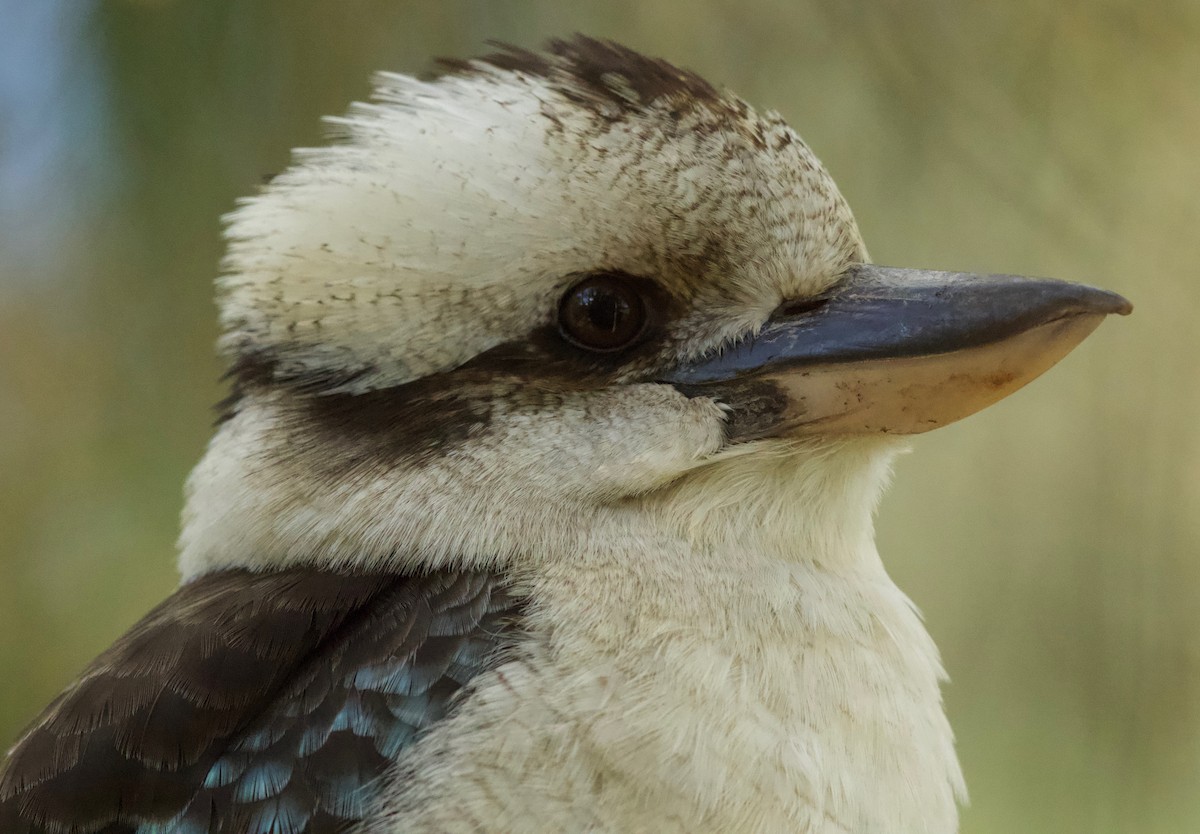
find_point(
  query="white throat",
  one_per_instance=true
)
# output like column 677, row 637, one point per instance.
column 725, row 655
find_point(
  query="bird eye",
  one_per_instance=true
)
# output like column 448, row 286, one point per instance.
column 602, row 312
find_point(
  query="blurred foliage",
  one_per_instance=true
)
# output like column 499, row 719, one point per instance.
column 1052, row 541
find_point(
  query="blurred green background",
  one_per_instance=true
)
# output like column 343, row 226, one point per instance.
column 1052, row 541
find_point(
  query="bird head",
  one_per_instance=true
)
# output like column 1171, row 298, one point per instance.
column 546, row 283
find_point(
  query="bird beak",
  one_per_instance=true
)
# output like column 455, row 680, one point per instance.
column 898, row 351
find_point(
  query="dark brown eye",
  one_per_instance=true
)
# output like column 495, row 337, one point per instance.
column 602, row 312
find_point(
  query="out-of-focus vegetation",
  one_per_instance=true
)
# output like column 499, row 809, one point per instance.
column 1053, row 541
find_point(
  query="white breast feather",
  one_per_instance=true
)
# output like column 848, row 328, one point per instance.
column 730, row 674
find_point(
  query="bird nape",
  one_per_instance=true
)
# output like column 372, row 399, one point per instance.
column 563, row 392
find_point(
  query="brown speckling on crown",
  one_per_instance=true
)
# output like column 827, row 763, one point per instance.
column 592, row 71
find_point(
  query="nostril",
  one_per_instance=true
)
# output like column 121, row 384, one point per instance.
column 800, row 306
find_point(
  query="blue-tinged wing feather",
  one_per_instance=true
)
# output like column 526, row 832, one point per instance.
column 268, row 703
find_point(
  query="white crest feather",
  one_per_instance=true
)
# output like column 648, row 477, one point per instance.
column 452, row 214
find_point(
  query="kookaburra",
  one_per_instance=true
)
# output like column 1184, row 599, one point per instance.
column 563, row 394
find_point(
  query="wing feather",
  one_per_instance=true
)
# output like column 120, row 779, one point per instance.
column 255, row 702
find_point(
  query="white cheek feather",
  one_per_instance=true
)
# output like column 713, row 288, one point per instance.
column 259, row 500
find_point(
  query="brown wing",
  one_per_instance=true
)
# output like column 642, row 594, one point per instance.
column 254, row 702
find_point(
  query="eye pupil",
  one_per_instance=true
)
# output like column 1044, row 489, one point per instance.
column 603, row 312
